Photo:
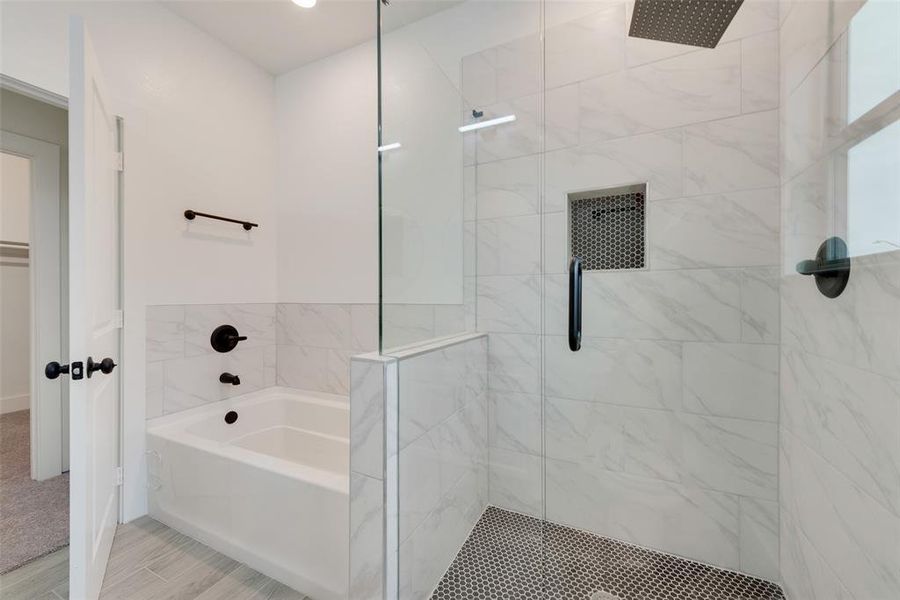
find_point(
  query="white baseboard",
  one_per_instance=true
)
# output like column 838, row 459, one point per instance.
column 14, row 403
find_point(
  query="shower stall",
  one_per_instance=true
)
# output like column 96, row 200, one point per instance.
column 639, row 305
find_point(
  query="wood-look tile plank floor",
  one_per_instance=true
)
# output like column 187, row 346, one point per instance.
column 150, row 561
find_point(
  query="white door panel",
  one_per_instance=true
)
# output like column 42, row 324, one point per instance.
column 94, row 304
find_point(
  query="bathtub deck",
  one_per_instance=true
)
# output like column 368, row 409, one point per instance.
column 150, row 561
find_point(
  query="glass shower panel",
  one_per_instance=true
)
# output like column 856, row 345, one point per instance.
column 461, row 92
column 424, row 244
column 662, row 429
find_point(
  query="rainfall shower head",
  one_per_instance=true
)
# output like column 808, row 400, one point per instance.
column 692, row 22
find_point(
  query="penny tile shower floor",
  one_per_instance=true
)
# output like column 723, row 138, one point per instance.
column 503, row 558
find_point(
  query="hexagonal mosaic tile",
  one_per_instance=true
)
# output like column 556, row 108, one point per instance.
column 512, row 556
column 607, row 228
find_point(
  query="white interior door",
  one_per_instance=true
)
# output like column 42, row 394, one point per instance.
column 94, row 318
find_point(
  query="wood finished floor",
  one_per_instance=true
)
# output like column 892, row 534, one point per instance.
column 150, row 561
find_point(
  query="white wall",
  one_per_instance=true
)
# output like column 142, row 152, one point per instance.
column 200, row 133
column 327, row 180
column 15, row 284
column 15, row 198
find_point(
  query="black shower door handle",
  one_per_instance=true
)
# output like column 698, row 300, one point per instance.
column 575, row 304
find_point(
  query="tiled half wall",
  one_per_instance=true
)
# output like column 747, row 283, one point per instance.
column 418, row 462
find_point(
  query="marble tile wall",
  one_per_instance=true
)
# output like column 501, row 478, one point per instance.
column 305, row 346
column 182, row 368
column 840, row 358
column 443, row 458
column 663, row 429
column 419, row 464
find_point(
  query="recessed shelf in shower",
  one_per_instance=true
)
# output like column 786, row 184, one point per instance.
column 607, row 227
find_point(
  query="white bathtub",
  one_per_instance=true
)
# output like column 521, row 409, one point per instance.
column 269, row 490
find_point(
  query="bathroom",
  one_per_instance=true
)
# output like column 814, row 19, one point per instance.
column 472, row 299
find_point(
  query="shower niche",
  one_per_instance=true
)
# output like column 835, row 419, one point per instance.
column 608, row 228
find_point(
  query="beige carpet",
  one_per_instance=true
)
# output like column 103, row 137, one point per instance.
column 34, row 515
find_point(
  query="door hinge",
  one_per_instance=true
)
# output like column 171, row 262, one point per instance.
column 118, row 319
column 120, row 475
column 120, row 161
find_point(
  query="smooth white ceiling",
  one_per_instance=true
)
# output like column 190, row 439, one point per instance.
column 280, row 36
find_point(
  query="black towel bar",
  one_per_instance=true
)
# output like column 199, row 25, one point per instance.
column 190, row 215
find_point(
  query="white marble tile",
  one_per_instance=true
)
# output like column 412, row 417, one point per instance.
column 508, row 188
column 470, row 303
column 338, row 364
column 849, row 416
column 732, row 380
column 256, row 321
column 731, row 229
column 470, row 193
column 702, row 305
column 366, row 537
column 759, row 538
column 194, row 381
column 760, row 305
column 515, row 421
column 655, row 159
column 754, row 17
column 631, row 372
column 509, row 246
column 479, row 78
column 732, row 455
column 364, row 327
column 165, row 332
column 695, row 87
column 305, row 368
column 429, row 550
column 521, row 137
column 462, row 446
column 695, row 523
column 449, row 319
column 654, row 444
column 815, row 112
column 516, row 481
column 404, row 324
column 433, row 386
column 561, row 117
column 470, row 249
column 854, row 534
column 321, row 325
column 804, row 573
column 807, row 212
column 739, row 153
column 367, row 418
column 509, row 304
column 155, row 385
column 419, row 482
column 759, row 72
column 517, row 65
column 860, row 328
column 514, row 363
column 270, row 365
column 585, row 432
column 556, row 241
column 586, row 47
column 809, row 29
